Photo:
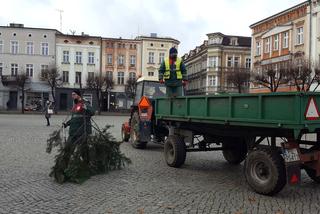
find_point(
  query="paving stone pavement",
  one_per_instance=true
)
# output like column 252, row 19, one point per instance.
column 205, row 184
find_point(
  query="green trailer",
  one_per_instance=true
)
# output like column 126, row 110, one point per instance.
column 266, row 130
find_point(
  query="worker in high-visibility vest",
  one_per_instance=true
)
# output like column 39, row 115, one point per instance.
column 173, row 74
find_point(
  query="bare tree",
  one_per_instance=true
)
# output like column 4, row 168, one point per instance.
column 130, row 87
column 301, row 74
column 96, row 83
column 21, row 81
column 99, row 84
column 271, row 78
column 239, row 77
column 54, row 79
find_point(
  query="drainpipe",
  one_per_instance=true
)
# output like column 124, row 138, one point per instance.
column 310, row 31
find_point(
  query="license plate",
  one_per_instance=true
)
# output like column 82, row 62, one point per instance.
column 291, row 155
column 144, row 114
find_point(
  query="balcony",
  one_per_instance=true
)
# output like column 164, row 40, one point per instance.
column 8, row 80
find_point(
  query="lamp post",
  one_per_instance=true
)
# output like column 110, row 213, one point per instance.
column 108, row 105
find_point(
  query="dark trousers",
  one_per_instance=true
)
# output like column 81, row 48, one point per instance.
column 48, row 121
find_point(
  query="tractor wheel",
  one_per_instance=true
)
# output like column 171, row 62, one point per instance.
column 175, row 151
column 134, row 133
column 311, row 172
column 124, row 136
column 265, row 171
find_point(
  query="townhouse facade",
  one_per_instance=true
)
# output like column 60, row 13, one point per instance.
column 121, row 61
column 209, row 64
column 25, row 50
column 286, row 37
column 154, row 50
column 78, row 58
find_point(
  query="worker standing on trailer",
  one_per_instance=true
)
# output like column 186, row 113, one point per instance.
column 173, row 74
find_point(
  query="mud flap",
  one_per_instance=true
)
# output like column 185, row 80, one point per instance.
column 145, row 131
column 293, row 166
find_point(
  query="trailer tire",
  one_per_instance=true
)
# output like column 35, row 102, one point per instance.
column 134, row 132
column 311, row 172
column 175, row 151
column 265, row 171
column 236, row 150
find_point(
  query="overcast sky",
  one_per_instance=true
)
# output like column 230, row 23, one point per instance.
column 186, row 20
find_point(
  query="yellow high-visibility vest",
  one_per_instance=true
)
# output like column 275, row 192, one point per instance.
column 177, row 70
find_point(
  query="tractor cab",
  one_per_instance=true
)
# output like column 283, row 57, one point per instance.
column 149, row 87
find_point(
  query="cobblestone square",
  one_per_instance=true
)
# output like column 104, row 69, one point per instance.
column 205, row 184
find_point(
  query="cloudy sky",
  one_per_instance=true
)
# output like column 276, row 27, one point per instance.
column 186, row 20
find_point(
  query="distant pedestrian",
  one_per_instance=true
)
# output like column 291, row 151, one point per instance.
column 48, row 109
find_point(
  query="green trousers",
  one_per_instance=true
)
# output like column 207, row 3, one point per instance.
column 174, row 91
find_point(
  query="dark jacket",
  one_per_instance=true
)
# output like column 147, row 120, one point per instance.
column 80, row 122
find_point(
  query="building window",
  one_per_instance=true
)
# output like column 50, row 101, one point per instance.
column 132, row 61
column 132, row 76
column 161, row 57
column 1, row 46
column 211, row 80
column 213, row 61
column 90, row 75
column 45, row 49
column 258, row 48
column 248, row 63
column 236, row 62
column 229, row 62
column 151, row 57
column 120, row 78
column 14, row 69
column 65, row 57
column 109, row 75
column 299, row 35
column 119, row 45
column 276, row 42
column 65, row 76
column 285, row 43
column 78, row 57
column 1, row 68
column 121, row 60
column 109, row 59
column 30, row 48
column 78, row 78
column 150, row 73
column 91, row 57
column 29, row 70
column 14, row 47
column 267, row 45
column 44, row 69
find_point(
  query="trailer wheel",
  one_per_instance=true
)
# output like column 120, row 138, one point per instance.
column 311, row 172
column 265, row 171
column 174, row 151
column 134, row 133
column 235, row 150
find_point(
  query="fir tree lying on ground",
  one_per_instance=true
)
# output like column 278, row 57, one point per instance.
column 90, row 155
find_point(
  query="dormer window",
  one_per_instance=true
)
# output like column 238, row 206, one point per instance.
column 234, row 41
column 215, row 40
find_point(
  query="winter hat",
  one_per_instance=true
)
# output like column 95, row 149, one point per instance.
column 77, row 91
column 173, row 51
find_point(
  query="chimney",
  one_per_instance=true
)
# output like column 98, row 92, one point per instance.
column 153, row 34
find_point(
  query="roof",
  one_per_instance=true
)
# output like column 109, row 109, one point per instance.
column 32, row 28
column 279, row 14
column 154, row 79
column 243, row 41
column 79, row 36
column 157, row 38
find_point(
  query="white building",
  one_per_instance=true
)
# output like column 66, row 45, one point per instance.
column 78, row 57
column 154, row 50
column 25, row 50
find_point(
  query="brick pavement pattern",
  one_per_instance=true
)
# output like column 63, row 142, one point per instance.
column 205, row 184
